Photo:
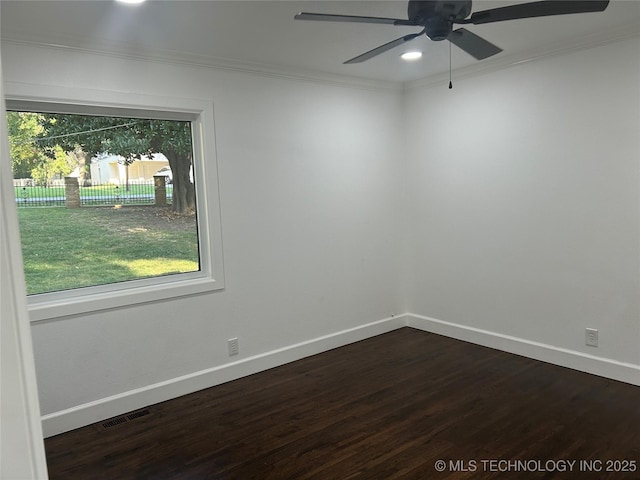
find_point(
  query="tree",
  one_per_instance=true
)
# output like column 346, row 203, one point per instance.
column 26, row 154
column 62, row 165
column 130, row 138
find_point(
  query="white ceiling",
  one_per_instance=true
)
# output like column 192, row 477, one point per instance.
column 263, row 34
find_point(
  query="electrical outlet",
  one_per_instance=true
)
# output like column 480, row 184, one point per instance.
column 591, row 337
column 233, row 346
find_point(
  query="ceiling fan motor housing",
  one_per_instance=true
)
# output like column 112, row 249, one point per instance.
column 437, row 16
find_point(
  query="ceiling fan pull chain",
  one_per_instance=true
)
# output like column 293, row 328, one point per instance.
column 450, row 83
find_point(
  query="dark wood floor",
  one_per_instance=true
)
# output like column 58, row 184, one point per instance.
column 385, row 408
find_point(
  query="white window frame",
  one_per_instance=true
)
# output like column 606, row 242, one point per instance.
column 210, row 277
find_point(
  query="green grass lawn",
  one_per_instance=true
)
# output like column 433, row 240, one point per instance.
column 70, row 248
column 98, row 190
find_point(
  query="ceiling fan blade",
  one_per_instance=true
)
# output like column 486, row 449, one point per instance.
column 537, row 9
column 383, row 48
column 476, row 46
column 326, row 17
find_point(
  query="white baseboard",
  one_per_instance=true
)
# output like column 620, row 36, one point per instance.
column 604, row 367
column 88, row 413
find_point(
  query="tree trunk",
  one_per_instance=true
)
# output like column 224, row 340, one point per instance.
column 184, row 199
column 84, row 170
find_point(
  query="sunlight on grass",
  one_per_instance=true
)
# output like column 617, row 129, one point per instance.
column 152, row 267
column 65, row 248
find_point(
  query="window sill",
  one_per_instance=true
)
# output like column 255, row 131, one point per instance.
column 49, row 306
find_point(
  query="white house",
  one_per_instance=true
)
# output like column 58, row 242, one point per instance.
column 112, row 168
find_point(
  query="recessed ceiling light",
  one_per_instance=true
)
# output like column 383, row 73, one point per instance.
column 131, row 2
column 411, row 56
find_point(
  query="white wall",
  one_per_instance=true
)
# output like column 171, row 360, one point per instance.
column 308, row 185
column 524, row 203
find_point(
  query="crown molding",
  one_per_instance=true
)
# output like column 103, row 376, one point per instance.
column 613, row 35
column 123, row 51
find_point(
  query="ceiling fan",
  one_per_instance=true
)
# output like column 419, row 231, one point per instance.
column 437, row 19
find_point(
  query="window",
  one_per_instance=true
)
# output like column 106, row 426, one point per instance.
column 112, row 203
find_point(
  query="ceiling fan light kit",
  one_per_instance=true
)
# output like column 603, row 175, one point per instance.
column 437, row 19
column 411, row 56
